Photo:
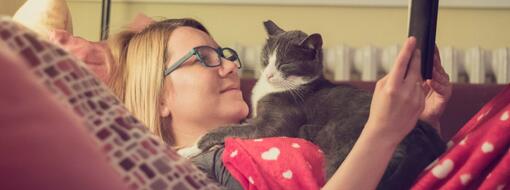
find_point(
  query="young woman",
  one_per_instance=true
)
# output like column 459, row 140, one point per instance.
column 180, row 97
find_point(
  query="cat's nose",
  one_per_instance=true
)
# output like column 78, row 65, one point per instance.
column 270, row 76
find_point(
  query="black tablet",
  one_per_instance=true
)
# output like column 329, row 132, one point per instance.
column 422, row 25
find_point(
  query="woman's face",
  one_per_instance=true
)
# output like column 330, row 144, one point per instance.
column 193, row 93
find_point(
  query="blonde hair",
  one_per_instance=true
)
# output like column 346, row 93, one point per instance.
column 137, row 74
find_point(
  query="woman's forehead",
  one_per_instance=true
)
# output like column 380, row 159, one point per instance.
column 183, row 39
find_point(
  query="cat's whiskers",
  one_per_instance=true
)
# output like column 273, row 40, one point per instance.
column 288, row 86
column 294, row 90
column 300, row 91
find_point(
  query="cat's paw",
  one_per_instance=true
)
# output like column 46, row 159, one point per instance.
column 189, row 152
column 210, row 140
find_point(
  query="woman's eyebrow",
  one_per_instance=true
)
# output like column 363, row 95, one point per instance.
column 214, row 45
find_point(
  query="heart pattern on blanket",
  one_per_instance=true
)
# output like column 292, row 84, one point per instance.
column 505, row 116
column 271, row 154
column 442, row 170
column 250, row 179
column 287, row 174
column 463, row 141
column 233, row 154
column 487, row 147
column 465, row 178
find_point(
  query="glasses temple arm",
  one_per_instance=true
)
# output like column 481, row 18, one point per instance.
column 178, row 63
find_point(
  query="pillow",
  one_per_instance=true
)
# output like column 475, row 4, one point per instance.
column 142, row 159
column 42, row 143
column 43, row 16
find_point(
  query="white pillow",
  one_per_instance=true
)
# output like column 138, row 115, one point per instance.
column 44, row 16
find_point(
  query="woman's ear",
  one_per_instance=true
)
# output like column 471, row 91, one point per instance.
column 164, row 103
column 164, row 110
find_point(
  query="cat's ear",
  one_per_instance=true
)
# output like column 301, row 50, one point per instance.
column 313, row 41
column 272, row 29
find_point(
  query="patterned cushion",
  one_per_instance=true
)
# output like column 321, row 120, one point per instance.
column 96, row 55
column 43, row 144
column 143, row 161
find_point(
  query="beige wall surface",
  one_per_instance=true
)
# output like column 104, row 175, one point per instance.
column 8, row 7
column 354, row 26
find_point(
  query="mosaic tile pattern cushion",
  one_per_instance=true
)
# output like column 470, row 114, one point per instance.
column 142, row 160
column 96, row 55
column 43, row 145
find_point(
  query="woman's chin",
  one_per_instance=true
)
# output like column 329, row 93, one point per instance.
column 237, row 112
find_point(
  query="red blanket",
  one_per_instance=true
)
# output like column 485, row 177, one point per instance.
column 274, row 163
column 478, row 155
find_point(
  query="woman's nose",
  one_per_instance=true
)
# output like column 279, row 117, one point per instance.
column 227, row 67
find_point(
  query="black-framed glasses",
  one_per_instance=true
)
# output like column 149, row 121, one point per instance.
column 208, row 57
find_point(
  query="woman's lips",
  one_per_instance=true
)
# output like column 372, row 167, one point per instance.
column 231, row 90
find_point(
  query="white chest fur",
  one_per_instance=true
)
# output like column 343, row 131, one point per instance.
column 261, row 88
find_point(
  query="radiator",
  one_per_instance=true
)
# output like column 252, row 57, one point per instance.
column 342, row 62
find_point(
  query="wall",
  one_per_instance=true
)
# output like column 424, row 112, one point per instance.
column 8, row 7
column 355, row 26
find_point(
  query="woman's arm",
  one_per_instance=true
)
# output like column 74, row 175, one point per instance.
column 365, row 165
column 398, row 100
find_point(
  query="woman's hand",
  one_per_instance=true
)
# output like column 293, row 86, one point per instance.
column 398, row 100
column 399, row 97
column 440, row 91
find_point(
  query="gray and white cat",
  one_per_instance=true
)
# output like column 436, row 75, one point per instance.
column 292, row 98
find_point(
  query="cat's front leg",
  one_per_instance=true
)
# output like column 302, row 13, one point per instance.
column 277, row 117
column 217, row 136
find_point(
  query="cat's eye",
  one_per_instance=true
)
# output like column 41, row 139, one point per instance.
column 283, row 65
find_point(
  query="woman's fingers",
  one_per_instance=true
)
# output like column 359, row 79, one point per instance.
column 421, row 94
column 398, row 72
column 427, row 86
column 435, row 86
column 414, row 72
column 440, row 77
column 437, row 63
